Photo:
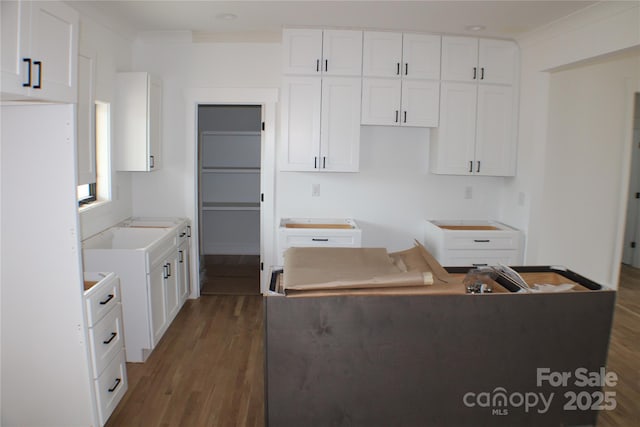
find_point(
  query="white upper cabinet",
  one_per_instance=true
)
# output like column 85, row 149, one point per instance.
column 138, row 122
column 39, row 51
column 321, row 124
column 469, row 59
column 322, row 52
column 401, row 74
column 85, row 112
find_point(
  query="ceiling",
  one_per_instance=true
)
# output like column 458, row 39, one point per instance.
column 504, row 19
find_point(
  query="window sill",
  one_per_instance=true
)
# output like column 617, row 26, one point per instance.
column 92, row 205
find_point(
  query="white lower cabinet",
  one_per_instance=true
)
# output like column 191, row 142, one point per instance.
column 469, row 243
column 153, row 288
column 105, row 327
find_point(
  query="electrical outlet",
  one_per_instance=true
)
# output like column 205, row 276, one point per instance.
column 468, row 192
column 315, row 190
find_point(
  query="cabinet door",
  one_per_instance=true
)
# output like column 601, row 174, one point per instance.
column 459, row 58
column 420, row 103
column 381, row 54
column 171, row 286
column 381, row 101
column 15, row 44
column 158, row 303
column 342, row 53
column 421, row 56
column 495, row 138
column 86, row 119
column 301, row 123
column 154, row 106
column 453, row 147
column 340, row 124
column 54, row 44
column 184, row 276
column 301, row 51
column 497, row 61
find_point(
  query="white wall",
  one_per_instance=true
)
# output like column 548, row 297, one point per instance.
column 113, row 54
column 546, row 134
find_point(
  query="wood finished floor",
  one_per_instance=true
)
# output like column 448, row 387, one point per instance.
column 208, row 368
column 231, row 275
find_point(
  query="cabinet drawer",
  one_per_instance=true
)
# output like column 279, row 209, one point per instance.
column 106, row 339
column 320, row 240
column 463, row 258
column 101, row 298
column 111, row 386
column 478, row 241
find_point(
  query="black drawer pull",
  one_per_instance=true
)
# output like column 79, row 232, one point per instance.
column 481, row 240
column 39, row 65
column 316, row 239
column 115, row 385
column 28, row 61
column 109, row 298
column 113, row 336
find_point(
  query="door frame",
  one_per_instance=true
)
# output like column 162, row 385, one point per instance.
column 267, row 98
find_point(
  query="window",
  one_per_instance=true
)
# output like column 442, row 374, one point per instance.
column 100, row 189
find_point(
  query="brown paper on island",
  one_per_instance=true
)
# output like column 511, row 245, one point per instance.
column 357, row 271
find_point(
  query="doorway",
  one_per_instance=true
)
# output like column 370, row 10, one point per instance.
column 229, row 198
column 631, row 249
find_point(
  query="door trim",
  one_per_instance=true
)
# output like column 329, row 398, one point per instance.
column 267, row 98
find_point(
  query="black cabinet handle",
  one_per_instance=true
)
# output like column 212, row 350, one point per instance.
column 166, row 272
column 405, row 116
column 39, row 65
column 115, row 385
column 152, row 162
column 188, row 231
column 109, row 298
column 482, row 240
column 475, row 72
column 315, row 162
column 324, row 162
column 169, row 269
column 406, row 68
column 181, row 253
column 397, row 112
column 316, row 239
column 470, row 166
column 398, row 68
column 28, row 61
column 113, row 336
column 317, row 65
column 326, row 65
column 478, row 170
column 482, row 73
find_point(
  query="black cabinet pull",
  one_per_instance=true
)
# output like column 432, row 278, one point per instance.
column 113, row 337
column 166, row 272
column 28, row 61
column 181, row 253
column 317, row 239
column 482, row 73
column 405, row 116
column 152, row 162
column 184, row 233
column 115, row 385
column 406, row 68
column 39, row 65
column 470, row 166
column 188, row 231
column 397, row 116
column 315, row 162
column 478, row 170
column 482, row 240
column 398, row 68
column 475, row 71
column 109, row 298
column 169, row 269
column 326, row 65
column 317, row 65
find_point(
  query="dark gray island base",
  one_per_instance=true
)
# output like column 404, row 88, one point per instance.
column 502, row 359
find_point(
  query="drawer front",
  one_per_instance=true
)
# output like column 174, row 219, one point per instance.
column 102, row 300
column 480, row 241
column 111, row 386
column 462, row 258
column 321, row 240
column 107, row 339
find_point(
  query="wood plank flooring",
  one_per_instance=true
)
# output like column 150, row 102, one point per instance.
column 208, row 368
column 231, row 275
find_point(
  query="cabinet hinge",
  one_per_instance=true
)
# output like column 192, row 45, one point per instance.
column 262, row 266
column 262, row 125
column 633, row 245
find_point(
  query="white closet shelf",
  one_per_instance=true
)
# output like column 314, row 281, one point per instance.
column 230, row 206
column 229, row 170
